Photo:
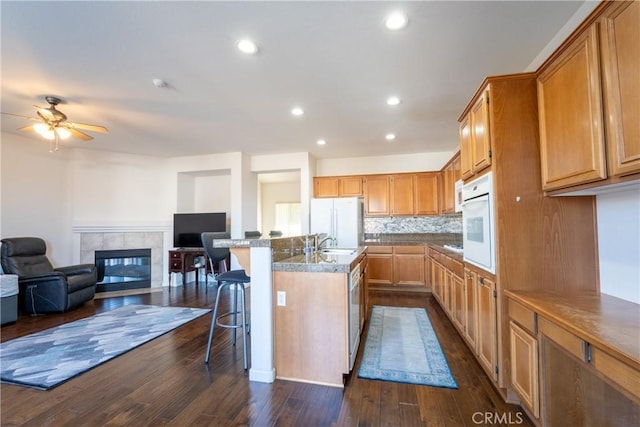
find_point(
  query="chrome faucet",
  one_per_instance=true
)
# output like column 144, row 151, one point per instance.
column 322, row 241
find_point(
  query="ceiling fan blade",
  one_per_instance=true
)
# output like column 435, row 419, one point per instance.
column 27, row 127
column 20, row 115
column 80, row 135
column 84, row 126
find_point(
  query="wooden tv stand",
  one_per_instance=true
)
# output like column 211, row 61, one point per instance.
column 181, row 261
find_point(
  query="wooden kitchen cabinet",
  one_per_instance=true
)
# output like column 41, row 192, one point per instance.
column 426, row 200
column 570, row 116
column 402, row 191
column 565, row 370
column 466, row 163
column 450, row 174
column 377, row 195
column 397, row 268
column 457, row 301
column 408, row 266
column 326, row 186
column 311, row 330
column 589, row 105
column 487, row 340
column 524, row 367
column 380, row 266
column 475, row 137
column 620, row 58
column 337, row 186
column 470, row 308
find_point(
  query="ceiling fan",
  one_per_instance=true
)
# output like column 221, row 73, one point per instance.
column 53, row 125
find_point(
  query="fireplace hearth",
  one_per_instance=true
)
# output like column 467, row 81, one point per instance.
column 123, row 269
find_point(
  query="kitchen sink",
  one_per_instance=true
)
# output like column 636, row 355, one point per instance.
column 337, row 251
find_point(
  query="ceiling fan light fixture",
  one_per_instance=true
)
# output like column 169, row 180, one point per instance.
column 63, row 133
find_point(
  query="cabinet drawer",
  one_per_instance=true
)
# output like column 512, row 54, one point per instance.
column 523, row 317
column 174, row 255
column 176, row 265
column 619, row 372
column 455, row 267
column 409, row 249
column 380, row 249
column 564, row 339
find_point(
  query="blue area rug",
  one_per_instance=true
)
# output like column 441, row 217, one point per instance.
column 402, row 346
column 48, row 358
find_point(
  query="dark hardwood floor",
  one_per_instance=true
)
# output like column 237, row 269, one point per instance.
column 165, row 382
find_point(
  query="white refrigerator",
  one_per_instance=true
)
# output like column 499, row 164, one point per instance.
column 340, row 218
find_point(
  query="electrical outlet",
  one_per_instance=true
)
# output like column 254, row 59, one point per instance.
column 282, row 298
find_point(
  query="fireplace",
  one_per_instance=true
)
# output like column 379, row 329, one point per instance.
column 123, row 269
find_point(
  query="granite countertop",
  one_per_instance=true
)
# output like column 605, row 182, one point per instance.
column 320, row 263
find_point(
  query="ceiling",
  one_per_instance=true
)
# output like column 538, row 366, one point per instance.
column 334, row 59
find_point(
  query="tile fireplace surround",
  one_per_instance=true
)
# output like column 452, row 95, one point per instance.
column 88, row 239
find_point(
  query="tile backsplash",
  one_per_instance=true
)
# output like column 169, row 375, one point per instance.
column 422, row 224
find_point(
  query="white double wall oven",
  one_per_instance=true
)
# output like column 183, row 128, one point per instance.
column 478, row 223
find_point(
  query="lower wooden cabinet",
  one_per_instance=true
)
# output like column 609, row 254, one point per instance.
column 487, row 340
column 380, row 270
column 397, row 268
column 560, row 376
column 524, row 367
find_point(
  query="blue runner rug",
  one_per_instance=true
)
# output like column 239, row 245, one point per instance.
column 402, row 346
column 48, row 358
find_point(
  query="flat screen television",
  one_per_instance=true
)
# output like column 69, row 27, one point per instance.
column 187, row 227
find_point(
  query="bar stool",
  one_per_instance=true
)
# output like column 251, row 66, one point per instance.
column 216, row 256
column 234, row 280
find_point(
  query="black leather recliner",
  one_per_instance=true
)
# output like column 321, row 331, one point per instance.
column 44, row 289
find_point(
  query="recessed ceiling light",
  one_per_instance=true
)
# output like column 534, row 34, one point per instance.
column 159, row 83
column 390, row 136
column 396, row 21
column 247, row 46
column 393, row 100
column 321, row 142
column 297, row 111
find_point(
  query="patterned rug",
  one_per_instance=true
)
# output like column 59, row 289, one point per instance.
column 402, row 346
column 48, row 358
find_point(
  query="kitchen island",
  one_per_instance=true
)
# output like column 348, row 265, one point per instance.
column 318, row 315
column 261, row 258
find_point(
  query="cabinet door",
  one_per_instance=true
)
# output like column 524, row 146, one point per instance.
column 466, row 162
column 350, row 186
column 470, row 307
column 402, row 194
column 524, row 367
column 487, row 345
column 427, row 193
column 449, row 190
column 377, row 195
column 436, row 280
column 380, row 269
column 480, row 137
column 457, row 175
column 457, row 294
column 325, row 186
column 620, row 44
column 570, row 116
column 408, row 268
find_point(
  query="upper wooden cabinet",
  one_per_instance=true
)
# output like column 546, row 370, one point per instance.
column 570, row 116
column 337, row 186
column 450, row 174
column 377, row 195
column 620, row 55
column 586, row 116
column 475, row 137
column 426, row 198
column 402, row 194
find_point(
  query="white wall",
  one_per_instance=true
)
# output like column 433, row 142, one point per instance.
column 419, row 162
column 619, row 243
column 35, row 194
column 272, row 193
